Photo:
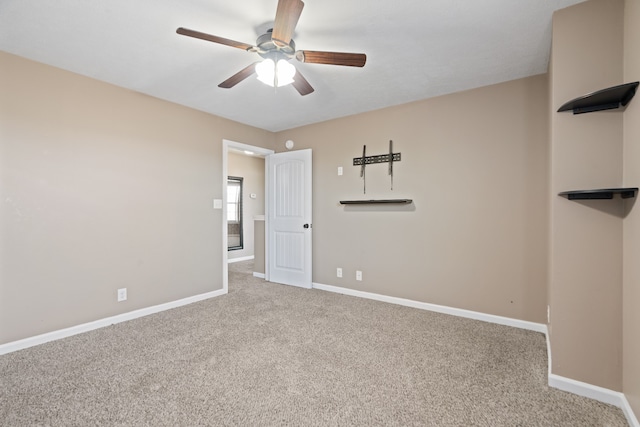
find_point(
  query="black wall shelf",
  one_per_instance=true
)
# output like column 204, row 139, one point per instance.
column 376, row 202
column 605, row 99
column 603, row 193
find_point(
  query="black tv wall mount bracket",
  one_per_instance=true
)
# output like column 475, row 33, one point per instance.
column 365, row 160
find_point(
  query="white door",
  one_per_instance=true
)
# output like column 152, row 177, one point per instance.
column 289, row 218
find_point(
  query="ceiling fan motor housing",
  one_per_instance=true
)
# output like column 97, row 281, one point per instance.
column 267, row 47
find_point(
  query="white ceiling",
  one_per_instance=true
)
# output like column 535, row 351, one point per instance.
column 416, row 49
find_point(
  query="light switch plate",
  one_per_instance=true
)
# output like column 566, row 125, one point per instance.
column 217, row 203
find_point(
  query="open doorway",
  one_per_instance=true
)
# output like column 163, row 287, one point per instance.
column 246, row 162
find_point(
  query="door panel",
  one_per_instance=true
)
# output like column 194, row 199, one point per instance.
column 290, row 248
column 289, row 218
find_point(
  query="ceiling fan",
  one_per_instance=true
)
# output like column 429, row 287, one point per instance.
column 277, row 48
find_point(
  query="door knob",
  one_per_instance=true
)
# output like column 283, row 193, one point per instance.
column 306, row 226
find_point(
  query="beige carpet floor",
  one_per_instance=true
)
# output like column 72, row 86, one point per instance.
column 268, row 354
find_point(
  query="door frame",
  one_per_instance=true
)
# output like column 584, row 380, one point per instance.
column 260, row 152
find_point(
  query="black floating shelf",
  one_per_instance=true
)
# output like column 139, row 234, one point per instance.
column 604, row 193
column 376, row 202
column 605, row 99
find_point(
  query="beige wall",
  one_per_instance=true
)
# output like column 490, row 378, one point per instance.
column 103, row 188
column 475, row 164
column 631, row 227
column 586, row 237
column 250, row 168
column 259, row 246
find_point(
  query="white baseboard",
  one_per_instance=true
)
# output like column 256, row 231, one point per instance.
column 591, row 391
column 244, row 258
column 258, row 275
column 522, row 324
column 86, row 327
column 628, row 412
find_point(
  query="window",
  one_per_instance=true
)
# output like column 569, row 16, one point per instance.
column 234, row 213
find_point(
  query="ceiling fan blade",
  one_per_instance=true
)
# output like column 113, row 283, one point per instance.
column 332, row 58
column 301, row 84
column 239, row 76
column 287, row 16
column 215, row 39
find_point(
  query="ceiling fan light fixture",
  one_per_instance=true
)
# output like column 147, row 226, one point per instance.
column 266, row 71
column 285, row 72
column 275, row 74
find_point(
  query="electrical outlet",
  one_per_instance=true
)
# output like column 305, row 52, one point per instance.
column 339, row 272
column 339, row 170
column 358, row 275
column 122, row 294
